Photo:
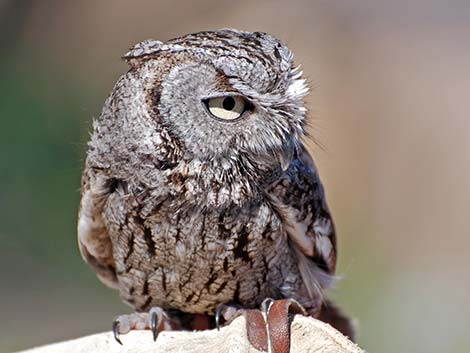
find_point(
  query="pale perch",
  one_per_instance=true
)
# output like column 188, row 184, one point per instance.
column 308, row 335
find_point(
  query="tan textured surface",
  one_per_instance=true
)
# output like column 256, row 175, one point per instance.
column 308, row 336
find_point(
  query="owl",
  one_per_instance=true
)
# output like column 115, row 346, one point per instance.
column 198, row 191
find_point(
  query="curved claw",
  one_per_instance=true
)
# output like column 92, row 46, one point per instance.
column 266, row 305
column 116, row 332
column 154, row 325
column 218, row 314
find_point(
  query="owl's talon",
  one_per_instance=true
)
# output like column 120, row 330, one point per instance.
column 228, row 313
column 155, row 320
column 218, row 314
column 265, row 305
column 154, row 325
column 116, row 332
column 158, row 321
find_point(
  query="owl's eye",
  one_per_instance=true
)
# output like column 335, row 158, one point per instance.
column 226, row 107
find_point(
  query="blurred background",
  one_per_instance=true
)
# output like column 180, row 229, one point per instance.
column 390, row 106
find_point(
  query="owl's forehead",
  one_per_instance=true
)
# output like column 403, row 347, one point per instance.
column 258, row 59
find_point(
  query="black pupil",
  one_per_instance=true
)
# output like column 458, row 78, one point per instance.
column 228, row 103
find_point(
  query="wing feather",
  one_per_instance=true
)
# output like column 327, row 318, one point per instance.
column 299, row 198
column 93, row 237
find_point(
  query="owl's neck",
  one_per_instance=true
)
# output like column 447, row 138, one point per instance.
column 219, row 182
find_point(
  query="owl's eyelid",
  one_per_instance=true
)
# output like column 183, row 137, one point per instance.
column 223, row 95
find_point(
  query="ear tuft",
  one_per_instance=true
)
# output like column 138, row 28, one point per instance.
column 144, row 48
column 149, row 47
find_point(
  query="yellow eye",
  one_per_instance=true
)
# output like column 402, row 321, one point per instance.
column 226, row 108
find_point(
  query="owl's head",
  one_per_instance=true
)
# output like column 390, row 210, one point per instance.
column 219, row 93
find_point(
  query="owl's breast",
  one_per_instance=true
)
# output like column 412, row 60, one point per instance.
column 196, row 258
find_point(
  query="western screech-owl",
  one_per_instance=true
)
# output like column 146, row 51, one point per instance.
column 197, row 189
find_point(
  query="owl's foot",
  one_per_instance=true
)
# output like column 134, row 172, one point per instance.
column 228, row 313
column 269, row 332
column 155, row 320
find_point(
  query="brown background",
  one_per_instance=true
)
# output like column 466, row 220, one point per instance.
column 390, row 106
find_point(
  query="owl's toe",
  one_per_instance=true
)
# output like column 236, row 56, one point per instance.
column 227, row 313
column 125, row 323
column 155, row 320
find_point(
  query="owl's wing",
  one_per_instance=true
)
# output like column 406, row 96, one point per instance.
column 299, row 199
column 93, row 238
